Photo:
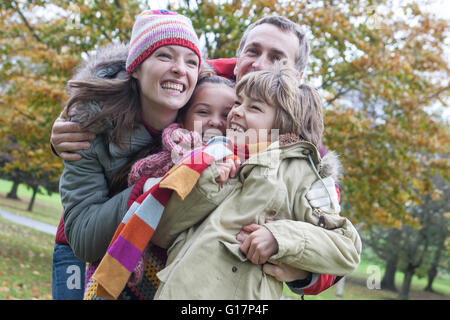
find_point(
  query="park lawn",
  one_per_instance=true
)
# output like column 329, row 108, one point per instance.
column 47, row 208
column 25, row 262
column 356, row 288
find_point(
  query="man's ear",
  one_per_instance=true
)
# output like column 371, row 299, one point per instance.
column 300, row 76
column 134, row 74
column 235, row 70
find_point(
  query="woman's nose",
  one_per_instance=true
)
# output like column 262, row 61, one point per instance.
column 179, row 67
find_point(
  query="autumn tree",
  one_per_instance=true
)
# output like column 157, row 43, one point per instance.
column 41, row 43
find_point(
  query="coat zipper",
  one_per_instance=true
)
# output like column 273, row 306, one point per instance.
column 322, row 221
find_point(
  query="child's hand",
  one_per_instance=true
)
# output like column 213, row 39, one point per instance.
column 258, row 243
column 227, row 169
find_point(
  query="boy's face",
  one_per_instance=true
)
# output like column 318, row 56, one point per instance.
column 208, row 112
column 265, row 45
column 250, row 121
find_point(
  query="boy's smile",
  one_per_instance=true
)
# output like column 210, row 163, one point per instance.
column 250, row 121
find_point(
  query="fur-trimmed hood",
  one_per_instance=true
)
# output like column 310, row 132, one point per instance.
column 329, row 165
column 106, row 63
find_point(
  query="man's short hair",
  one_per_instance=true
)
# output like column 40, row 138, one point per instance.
column 283, row 24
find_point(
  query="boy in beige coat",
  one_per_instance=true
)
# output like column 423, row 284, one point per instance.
column 207, row 261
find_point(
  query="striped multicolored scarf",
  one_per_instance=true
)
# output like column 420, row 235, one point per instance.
column 142, row 218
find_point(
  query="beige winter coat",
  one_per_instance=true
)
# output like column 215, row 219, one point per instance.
column 205, row 261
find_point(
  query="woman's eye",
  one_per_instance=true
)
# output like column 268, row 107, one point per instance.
column 193, row 63
column 255, row 108
column 164, row 55
column 203, row 112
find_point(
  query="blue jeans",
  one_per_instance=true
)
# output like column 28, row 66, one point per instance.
column 68, row 274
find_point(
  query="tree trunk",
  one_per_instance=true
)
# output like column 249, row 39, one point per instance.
column 388, row 282
column 406, row 286
column 13, row 193
column 432, row 272
column 31, row 203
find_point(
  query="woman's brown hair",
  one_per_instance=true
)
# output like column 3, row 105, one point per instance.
column 118, row 99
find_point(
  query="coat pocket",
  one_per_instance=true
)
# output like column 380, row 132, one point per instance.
column 233, row 249
column 276, row 207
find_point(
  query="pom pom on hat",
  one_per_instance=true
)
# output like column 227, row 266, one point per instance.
column 156, row 28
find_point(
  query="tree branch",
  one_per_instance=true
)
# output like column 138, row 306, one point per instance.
column 436, row 94
column 25, row 21
column 341, row 92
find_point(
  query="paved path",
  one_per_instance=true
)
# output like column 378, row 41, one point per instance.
column 41, row 226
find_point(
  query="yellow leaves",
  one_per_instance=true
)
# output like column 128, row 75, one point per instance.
column 436, row 194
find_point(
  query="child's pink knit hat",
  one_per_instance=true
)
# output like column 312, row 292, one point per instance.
column 156, row 28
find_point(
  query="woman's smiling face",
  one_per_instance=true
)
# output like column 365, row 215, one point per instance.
column 167, row 77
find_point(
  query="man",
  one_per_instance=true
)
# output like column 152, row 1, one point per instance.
column 264, row 42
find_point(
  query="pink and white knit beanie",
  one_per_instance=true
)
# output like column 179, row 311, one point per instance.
column 156, row 28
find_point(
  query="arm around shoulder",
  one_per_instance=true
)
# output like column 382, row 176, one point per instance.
column 90, row 216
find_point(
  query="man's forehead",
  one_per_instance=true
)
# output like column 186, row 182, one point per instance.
column 271, row 37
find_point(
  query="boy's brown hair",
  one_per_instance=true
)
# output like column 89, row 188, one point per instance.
column 298, row 106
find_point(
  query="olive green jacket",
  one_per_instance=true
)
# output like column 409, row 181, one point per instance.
column 90, row 216
column 205, row 261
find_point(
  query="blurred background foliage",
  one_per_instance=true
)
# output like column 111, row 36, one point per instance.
column 381, row 66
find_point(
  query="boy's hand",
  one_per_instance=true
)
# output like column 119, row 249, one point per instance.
column 258, row 244
column 67, row 137
column 227, row 169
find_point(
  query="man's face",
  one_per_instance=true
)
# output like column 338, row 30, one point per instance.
column 265, row 45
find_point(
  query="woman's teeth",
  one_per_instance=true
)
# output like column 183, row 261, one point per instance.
column 171, row 86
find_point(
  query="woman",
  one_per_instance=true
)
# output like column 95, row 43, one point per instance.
column 128, row 115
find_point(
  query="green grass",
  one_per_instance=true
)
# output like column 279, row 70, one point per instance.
column 25, row 262
column 47, row 208
column 356, row 286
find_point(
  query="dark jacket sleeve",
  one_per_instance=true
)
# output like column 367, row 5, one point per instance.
column 90, row 216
